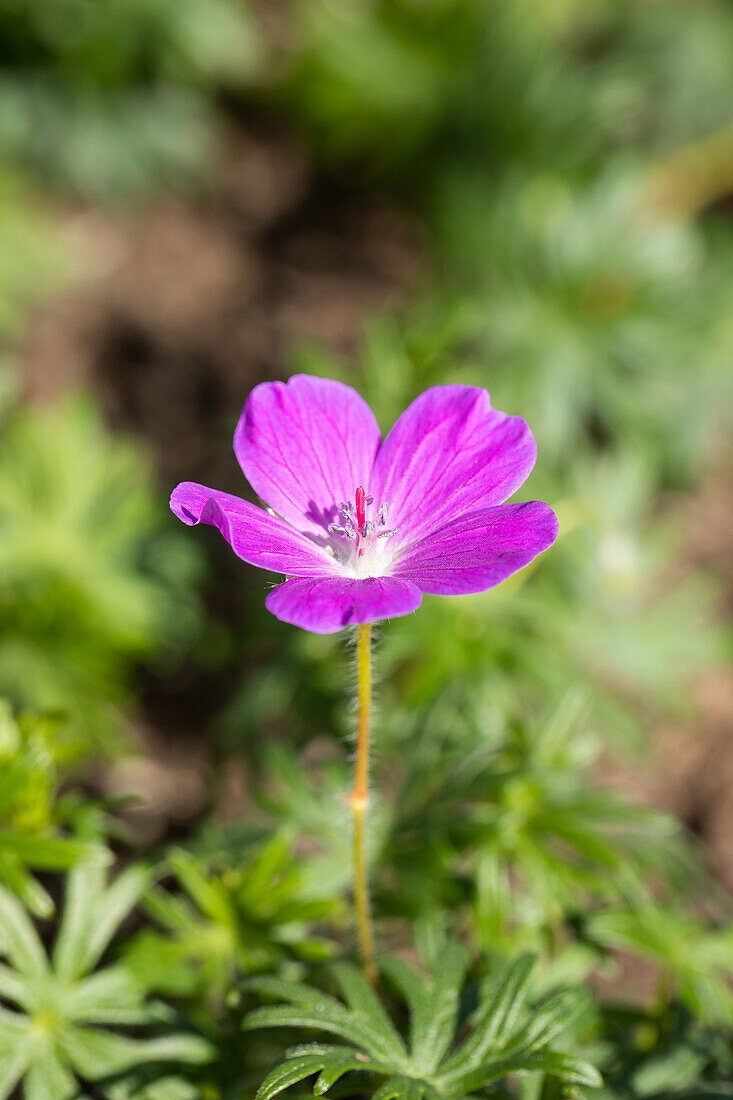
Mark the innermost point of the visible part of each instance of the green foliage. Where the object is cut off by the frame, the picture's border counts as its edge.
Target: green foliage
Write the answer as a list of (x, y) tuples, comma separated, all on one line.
[(442, 92), (516, 815), (472, 79), (314, 807), (30, 811), (108, 96), (30, 261), (592, 310), (667, 1053), (91, 580), (694, 956), (672, 70), (64, 1008), (231, 916), (494, 814), (558, 153), (32, 264), (500, 1040)]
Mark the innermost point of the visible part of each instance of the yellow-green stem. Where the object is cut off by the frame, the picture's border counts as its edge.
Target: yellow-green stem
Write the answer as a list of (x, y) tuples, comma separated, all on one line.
[(359, 801)]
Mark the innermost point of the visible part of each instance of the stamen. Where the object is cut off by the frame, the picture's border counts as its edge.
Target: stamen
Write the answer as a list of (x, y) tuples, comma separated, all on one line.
[(357, 528), (337, 529)]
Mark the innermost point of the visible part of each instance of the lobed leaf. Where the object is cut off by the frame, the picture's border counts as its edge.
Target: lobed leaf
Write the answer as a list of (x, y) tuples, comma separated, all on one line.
[(548, 1020), (563, 1066), (368, 1011), (329, 1062), (496, 1048), (92, 915), (500, 1006), (433, 1003)]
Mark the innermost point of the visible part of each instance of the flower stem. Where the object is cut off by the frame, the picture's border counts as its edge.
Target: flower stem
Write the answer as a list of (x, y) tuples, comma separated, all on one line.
[(359, 801)]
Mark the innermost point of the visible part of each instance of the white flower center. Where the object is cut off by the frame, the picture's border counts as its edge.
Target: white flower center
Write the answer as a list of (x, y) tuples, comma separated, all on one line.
[(360, 543)]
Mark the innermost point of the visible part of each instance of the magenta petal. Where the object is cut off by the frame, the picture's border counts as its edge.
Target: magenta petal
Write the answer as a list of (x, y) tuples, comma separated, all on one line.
[(253, 534), (325, 606), (479, 550), (450, 453), (305, 446)]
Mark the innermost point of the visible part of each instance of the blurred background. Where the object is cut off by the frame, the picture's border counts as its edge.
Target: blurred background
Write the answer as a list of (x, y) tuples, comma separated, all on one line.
[(535, 197)]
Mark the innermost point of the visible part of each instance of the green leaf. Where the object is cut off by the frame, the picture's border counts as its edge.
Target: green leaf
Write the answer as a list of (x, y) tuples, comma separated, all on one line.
[(53, 853), (433, 1002), (210, 899), (566, 1068), (335, 1021), (182, 1047), (60, 1030), (501, 1043), (109, 996), (13, 1064), (12, 986), (366, 1006), (93, 914), (83, 887), (501, 1002), (330, 1062), (400, 1088), (95, 1053), (19, 940), (549, 1020), (111, 909), (47, 1078)]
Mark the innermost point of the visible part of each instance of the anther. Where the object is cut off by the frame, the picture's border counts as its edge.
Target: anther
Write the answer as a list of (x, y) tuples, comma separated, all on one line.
[(337, 529), (386, 534), (383, 512), (367, 530)]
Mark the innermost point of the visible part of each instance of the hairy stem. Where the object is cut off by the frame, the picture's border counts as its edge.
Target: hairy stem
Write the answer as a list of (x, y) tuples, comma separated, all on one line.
[(359, 801)]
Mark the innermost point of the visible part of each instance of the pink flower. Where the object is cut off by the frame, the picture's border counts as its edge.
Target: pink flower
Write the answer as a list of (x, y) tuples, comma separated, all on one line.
[(362, 527)]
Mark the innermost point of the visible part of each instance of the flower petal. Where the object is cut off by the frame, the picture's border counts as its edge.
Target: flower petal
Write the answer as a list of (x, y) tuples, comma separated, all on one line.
[(253, 534), (450, 453), (305, 446), (324, 606), (479, 550)]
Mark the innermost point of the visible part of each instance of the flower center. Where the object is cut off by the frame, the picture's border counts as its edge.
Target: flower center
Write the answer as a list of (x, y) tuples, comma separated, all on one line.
[(361, 532)]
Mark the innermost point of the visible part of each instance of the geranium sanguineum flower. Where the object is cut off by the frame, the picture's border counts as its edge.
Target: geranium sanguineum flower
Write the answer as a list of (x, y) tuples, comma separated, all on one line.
[(363, 527)]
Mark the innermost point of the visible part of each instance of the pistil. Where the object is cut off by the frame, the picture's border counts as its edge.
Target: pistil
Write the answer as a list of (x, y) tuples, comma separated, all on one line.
[(360, 499)]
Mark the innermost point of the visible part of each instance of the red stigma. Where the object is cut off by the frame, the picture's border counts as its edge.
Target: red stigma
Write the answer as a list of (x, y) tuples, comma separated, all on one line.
[(360, 497)]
